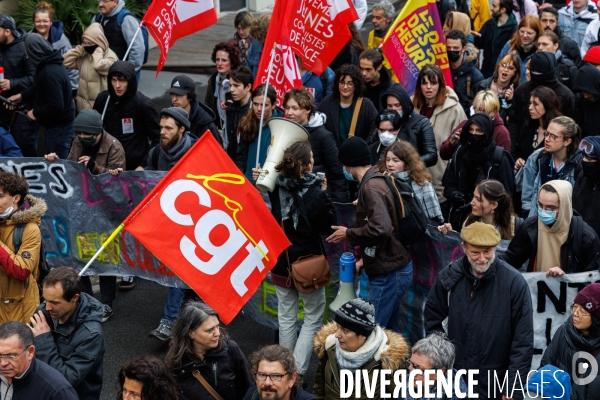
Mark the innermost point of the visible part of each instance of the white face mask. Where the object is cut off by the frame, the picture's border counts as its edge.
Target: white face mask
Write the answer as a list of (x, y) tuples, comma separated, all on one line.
[(386, 138), (7, 212)]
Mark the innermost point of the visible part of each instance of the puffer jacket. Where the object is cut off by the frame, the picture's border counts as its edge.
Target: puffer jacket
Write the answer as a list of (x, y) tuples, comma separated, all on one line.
[(325, 155), (330, 106), (134, 105), (18, 288), (110, 154), (392, 355), (587, 113), (76, 349), (376, 216), (93, 68), (443, 121), (415, 129), (574, 24), (17, 67), (225, 369), (490, 319)]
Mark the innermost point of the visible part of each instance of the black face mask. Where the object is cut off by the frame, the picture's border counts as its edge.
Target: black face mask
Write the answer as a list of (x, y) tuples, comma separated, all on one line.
[(591, 169), (453, 55), (90, 49), (477, 143)]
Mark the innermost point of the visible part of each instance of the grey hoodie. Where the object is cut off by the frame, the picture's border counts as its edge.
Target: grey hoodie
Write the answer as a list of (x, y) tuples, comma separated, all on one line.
[(37, 48)]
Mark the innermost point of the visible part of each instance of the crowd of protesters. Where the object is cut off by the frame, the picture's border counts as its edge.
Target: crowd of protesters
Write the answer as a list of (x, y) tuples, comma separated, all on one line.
[(526, 92)]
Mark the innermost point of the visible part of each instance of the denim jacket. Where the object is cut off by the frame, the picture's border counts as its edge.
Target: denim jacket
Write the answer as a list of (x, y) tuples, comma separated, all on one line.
[(574, 24), (253, 56)]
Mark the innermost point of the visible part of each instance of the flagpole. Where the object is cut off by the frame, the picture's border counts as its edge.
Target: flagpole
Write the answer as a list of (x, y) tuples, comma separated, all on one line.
[(262, 111), (104, 245)]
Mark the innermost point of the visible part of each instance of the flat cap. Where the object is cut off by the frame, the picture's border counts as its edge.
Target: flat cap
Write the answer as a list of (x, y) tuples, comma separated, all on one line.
[(480, 235)]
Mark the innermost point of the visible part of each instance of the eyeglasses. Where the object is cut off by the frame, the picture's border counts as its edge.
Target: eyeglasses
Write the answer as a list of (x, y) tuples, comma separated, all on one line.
[(348, 84), (261, 376), (577, 309), (508, 67), (12, 356), (552, 136)]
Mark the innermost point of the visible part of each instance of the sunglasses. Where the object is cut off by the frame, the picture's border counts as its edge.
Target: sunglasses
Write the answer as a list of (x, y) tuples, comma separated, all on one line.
[(392, 117)]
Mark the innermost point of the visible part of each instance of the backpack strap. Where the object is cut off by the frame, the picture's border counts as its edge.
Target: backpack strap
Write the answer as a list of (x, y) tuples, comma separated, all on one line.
[(496, 161), (355, 117), (121, 16), (18, 237)]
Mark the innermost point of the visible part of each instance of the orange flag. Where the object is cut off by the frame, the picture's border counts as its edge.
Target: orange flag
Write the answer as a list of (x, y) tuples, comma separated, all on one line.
[(210, 226)]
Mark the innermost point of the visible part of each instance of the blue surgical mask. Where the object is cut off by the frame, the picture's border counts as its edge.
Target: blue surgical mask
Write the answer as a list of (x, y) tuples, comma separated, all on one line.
[(546, 216), (348, 175)]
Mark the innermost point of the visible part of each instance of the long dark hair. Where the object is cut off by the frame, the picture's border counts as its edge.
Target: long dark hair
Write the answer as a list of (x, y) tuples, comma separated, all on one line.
[(248, 126), (356, 40), (551, 103), (494, 192), (296, 159), (434, 74)]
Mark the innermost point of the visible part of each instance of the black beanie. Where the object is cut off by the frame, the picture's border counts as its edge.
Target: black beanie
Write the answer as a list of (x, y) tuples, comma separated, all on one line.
[(355, 152), (88, 121), (542, 64), (357, 315), (178, 114)]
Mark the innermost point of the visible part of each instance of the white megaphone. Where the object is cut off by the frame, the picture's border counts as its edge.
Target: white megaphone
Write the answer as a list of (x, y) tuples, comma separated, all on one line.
[(346, 290), (283, 133)]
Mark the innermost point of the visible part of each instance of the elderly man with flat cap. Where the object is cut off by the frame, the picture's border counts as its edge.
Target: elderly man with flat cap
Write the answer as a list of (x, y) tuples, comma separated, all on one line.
[(489, 311)]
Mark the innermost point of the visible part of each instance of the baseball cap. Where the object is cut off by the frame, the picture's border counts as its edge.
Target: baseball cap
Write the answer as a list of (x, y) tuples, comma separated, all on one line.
[(7, 22), (181, 85)]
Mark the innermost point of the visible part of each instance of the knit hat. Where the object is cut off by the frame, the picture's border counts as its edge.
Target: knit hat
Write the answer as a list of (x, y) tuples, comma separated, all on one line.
[(7, 22), (357, 315), (542, 67), (590, 146), (480, 235), (354, 152), (593, 55), (178, 114), (589, 299), (88, 121), (181, 85)]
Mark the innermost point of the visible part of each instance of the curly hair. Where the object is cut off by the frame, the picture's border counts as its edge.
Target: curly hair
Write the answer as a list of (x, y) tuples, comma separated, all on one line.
[(354, 73), (493, 191), (412, 161), (296, 159), (260, 26), (304, 99), (275, 353), (14, 184), (157, 381), (235, 57), (44, 8)]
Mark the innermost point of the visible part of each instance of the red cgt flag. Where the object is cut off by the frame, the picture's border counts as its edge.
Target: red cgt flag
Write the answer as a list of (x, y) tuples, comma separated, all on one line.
[(169, 20), (210, 226)]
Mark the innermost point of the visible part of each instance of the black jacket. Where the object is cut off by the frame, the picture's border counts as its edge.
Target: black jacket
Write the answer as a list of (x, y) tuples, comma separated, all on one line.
[(330, 106), (463, 79), (202, 118), (52, 96), (211, 101), (587, 113), (566, 71), (17, 67), (135, 105), (586, 197), (524, 147), (235, 112), (524, 247), (568, 46), (297, 394), (492, 46), (374, 93), (42, 382), (416, 129), (490, 320), (226, 370), (566, 342)]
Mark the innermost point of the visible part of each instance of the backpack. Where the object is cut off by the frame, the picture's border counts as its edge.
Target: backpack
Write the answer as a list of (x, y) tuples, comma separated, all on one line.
[(412, 221), (120, 17), (43, 266)]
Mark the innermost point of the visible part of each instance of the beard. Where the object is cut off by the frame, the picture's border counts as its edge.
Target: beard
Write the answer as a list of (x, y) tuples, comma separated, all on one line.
[(481, 268), (171, 143), (497, 14), (269, 394)]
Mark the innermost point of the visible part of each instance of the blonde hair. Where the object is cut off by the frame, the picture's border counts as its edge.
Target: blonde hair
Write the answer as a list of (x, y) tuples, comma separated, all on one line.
[(489, 99)]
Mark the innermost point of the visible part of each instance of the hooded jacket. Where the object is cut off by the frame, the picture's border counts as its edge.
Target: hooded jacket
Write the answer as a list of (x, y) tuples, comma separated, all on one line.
[(463, 79), (580, 252), (444, 119), (76, 348), (330, 106), (574, 24), (490, 319), (374, 93), (109, 154), (493, 37), (325, 155), (132, 105), (17, 67), (52, 97), (415, 128), (93, 68), (392, 355), (586, 198), (18, 287), (566, 71), (42, 382), (587, 113), (202, 118)]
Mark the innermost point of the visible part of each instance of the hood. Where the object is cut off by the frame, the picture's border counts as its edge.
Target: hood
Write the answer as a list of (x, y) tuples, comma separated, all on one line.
[(512, 20), (466, 67), (565, 210), (484, 122), (587, 13), (393, 357), (461, 22), (401, 94), (588, 80), (384, 78), (543, 70), (128, 70), (550, 381), (119, 7), (316, 120), (95, 33), (201, 114), (37, 48), (56, 31), (498, 122), (89, 309), (472, 54), (451, 101), (32, 210)]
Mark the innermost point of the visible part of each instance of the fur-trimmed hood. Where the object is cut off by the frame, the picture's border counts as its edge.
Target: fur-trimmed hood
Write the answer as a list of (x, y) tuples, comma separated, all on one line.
[(31, 210), (393, 357)]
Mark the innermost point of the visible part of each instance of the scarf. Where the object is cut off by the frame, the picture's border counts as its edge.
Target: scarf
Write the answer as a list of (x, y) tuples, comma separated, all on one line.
[(220, 95), (168, 158), (356, 359), (291, 192), (577, 340), (551, 238)]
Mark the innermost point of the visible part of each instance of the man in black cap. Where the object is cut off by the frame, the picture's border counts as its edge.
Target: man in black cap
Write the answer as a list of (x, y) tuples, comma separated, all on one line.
[(201, 117), (19, 74), (386, 261), (543, 73)]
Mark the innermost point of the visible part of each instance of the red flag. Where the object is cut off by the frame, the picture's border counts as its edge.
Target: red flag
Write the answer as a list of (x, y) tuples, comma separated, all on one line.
[(210, 226), (169, 20)]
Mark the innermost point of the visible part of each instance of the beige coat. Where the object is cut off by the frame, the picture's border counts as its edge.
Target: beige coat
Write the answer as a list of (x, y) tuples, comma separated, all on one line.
[(93, 69), (443, 121)]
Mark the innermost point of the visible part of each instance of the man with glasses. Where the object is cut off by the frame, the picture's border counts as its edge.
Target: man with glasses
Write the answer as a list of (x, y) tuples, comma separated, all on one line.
[(549, 20), (555, 241), (22, 375), (274, 370), (489, 313)]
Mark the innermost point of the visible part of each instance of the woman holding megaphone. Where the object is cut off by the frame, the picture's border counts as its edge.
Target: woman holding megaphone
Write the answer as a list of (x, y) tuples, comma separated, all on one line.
[(305, 212)]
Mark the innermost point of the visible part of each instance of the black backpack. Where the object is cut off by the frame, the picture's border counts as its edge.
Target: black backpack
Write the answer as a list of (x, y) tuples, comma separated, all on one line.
[(43, 266), (412, 221)]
